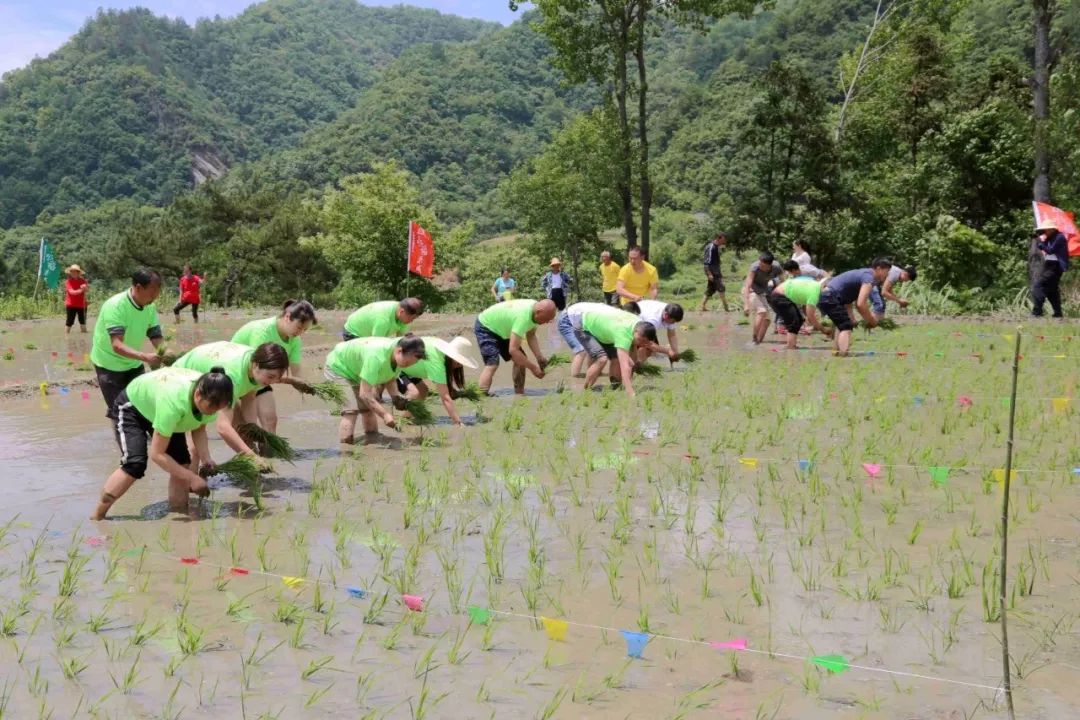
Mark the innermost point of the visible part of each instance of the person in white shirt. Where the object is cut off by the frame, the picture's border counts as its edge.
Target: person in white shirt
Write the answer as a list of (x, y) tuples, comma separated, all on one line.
[(800, 252), (662, 316)]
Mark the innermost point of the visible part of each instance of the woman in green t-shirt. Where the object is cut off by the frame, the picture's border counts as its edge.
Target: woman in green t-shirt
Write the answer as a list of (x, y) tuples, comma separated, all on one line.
[(250, 370), (151, 417), (445, 367), (285, 330)]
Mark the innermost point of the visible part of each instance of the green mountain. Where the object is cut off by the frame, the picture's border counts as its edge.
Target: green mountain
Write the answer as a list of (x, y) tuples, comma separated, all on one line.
[(141, 107)]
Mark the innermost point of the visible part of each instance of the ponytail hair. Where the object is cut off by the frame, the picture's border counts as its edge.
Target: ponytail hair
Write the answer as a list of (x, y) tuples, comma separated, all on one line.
[(455, 373), (215, 387), (271, 356), (300, 310)]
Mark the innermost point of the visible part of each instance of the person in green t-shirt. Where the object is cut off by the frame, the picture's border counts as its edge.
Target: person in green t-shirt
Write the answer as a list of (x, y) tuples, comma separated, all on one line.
[(151, 418), (126, 320), (609, 334), (363, 366), (285, 330), (388, 318), (445, 367), (794, 296), (500, 331), (250, 369)]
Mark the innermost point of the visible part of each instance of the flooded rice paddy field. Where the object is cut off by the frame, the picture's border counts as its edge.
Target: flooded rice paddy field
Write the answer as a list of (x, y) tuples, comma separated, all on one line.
[(782, 499)]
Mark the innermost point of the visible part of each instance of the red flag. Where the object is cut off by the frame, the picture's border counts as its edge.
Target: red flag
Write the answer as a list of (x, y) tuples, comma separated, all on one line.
[(1063, 221), (421, 251)]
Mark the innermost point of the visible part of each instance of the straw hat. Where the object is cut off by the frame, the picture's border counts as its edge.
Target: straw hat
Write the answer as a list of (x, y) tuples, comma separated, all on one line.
[(74, 268), (555, 261), (1047, 225), (456, 350)]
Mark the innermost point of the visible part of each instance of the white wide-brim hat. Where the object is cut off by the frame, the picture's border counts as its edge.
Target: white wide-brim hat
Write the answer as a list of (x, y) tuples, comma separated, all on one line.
[(1047, 225), (456, 350)]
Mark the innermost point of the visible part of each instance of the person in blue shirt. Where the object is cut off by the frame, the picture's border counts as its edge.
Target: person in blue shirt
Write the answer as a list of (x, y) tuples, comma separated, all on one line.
[(504, 286), (1055, 261), (852, 287)]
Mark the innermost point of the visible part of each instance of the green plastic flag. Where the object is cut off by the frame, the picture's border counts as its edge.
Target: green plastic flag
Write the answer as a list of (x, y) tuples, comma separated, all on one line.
[(939, 475), (479, 615), (48, 268), (832, 663)]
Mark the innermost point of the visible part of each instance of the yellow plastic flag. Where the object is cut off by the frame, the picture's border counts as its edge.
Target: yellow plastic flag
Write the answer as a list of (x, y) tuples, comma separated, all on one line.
[(555, 629), (999, 475), (293, 582), (1007, 338), (748, 462), (1061, 404)]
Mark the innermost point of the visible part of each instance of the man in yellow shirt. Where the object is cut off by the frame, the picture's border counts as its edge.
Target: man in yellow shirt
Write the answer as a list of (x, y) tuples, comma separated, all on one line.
[(609, 271), (637, 279)]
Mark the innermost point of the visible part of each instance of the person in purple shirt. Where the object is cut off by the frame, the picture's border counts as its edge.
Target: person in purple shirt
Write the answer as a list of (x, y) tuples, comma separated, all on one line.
[(1055, 261), (852, 287)]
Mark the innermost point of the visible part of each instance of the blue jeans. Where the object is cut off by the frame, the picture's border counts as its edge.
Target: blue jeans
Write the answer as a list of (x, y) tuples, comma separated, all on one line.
[(877, 302), (567, 332)]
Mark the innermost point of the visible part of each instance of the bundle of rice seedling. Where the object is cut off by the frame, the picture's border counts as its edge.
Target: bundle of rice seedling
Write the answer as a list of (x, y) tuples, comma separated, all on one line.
[(269, 444), (329, 392), (167, 358), (241, 469), (419, 413), (555, 360), (688, 356), (647, 369), (471, 391)]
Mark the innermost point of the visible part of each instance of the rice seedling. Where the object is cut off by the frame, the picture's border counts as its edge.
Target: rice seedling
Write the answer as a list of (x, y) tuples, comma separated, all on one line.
[(647, 370), (419, 413), (329, 392), (166, 358), (555, 360), (470, 392), (688, 356), (270, 445)]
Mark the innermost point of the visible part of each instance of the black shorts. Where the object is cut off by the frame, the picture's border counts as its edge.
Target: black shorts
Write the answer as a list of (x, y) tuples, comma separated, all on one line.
[(559, 298), (594, 347), (404, 381), (835, 311), (181, 305), (265, 390), (492, 347), (790, 314), (611, 298), (133, 432), (716, 285), (113, 382), (73, 313), (347, 336)]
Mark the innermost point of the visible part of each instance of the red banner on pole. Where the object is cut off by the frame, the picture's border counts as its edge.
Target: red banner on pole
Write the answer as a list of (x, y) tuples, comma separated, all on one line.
[(1064, 221), (421, 251)]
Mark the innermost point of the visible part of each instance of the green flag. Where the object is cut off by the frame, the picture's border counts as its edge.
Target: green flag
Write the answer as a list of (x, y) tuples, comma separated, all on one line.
[(832, 663), (479, 615), (48, 268)]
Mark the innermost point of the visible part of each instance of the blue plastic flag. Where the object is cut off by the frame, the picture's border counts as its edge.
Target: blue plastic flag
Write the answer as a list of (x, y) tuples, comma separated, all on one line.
[(804, 465), (356, 592), (918, 401), (635, 643)]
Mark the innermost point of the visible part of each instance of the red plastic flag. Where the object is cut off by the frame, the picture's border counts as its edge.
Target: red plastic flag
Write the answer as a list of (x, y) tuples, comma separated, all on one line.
[(421, 251), (1064, 221)]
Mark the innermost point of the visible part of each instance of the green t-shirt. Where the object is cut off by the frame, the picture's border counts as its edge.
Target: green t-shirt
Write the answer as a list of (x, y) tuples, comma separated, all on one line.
[(364, 359), (377, 319), (165, 397), (610, 326), (802, 291), (257, 332), (234, 357), (513, 317), (432, 368), (121, 316)]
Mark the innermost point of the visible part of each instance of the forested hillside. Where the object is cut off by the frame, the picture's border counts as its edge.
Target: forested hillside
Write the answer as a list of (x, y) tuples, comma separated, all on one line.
[(137, 106)]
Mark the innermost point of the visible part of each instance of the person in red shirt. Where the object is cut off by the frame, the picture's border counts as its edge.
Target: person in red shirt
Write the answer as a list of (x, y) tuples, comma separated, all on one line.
[(190, 284), (75, 288)]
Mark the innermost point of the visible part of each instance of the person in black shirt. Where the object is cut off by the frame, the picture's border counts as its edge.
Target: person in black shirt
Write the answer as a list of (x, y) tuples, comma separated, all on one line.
[(1054, 248), (714, 280)]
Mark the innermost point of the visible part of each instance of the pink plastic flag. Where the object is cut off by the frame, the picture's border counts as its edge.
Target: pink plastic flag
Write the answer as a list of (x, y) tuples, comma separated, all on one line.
[(413, 602), (964, 401), (85, 395), (736, 644), (239, 571), (96, 541), (189, 560), (872, 469)]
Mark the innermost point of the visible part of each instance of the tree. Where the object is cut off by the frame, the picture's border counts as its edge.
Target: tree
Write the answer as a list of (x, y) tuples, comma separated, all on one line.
[(1040, 86)]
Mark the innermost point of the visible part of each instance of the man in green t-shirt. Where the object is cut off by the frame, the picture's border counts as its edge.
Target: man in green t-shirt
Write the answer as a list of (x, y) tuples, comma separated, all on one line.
[(792, 297), (362, 367), (618, 336), (500, 331), (388, 318), (125, 321)]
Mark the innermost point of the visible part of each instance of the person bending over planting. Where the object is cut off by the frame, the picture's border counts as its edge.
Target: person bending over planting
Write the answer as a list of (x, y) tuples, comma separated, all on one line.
[(285, 330), (760, 277), (662, 316), (897, 276), (388, 318), (250, 369), (151, 417), (500, 331), (444, 365), (790, 298), (125, 321), (361, 367), (853, 286), (617, 337), (569, 323)]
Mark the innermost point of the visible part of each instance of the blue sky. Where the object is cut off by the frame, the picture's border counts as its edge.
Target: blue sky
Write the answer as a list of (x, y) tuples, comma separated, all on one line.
[(31, 29)]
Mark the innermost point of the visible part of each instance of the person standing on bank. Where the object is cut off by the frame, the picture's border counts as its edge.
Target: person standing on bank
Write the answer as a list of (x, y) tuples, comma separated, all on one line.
[(800, 252), (190, 287), (759, 280), (1054, 247), (125, 321), (609, 275), (714, 278), (75, 288), (638, 279), (504, 286), (556, 284)]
